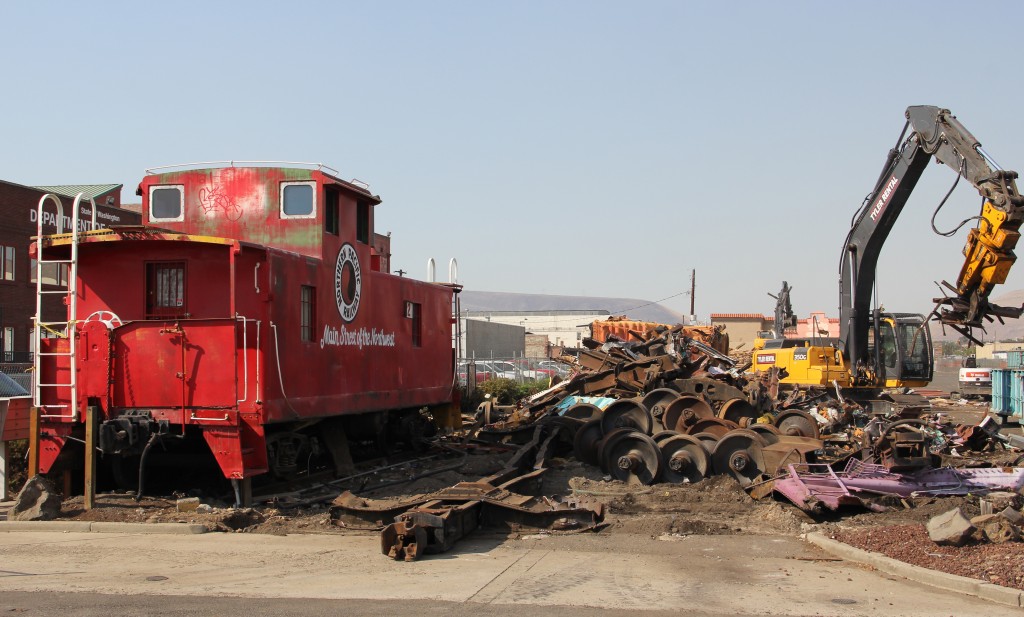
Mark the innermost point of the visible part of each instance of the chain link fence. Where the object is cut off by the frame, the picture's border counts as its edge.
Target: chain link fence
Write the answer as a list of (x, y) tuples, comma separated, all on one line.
[(20, 372), (473, 371)]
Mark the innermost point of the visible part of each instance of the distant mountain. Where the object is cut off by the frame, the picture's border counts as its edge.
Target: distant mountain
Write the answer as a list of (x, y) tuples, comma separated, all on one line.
[(640, 310)]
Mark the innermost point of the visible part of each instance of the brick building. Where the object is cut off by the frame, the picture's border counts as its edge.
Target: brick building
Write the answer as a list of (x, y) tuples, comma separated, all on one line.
[(18, 208), (819, 324), (742, 328)]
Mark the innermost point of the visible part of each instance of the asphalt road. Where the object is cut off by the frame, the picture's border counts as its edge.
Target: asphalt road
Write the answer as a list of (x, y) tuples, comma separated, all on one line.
[(97, 605), (54, 573)]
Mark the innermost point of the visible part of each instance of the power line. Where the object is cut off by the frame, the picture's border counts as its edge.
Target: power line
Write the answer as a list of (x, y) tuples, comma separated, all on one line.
[(681, 293)]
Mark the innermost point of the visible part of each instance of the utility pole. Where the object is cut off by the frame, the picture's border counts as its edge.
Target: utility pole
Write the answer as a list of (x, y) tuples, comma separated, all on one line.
[(693, 290)]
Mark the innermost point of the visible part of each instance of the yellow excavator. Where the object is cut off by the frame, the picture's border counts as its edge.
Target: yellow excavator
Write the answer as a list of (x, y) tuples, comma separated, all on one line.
[(879, 350)]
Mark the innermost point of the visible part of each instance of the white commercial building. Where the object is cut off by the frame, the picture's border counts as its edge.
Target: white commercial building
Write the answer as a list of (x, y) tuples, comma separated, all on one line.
[(565, 328)]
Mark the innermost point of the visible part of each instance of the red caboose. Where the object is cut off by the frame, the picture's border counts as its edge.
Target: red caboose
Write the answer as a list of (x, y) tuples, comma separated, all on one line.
[(255, 311)]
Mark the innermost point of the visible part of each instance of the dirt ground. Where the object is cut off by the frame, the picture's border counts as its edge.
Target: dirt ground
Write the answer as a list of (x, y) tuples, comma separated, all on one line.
[(1002, 564), (715, 506)]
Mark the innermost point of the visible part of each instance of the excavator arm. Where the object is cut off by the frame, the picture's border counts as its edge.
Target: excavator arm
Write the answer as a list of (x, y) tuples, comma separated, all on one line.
[(988, 252), (932, 132)]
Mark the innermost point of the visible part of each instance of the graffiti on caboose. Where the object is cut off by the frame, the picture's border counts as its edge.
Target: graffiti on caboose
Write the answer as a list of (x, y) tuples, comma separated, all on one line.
[(213, 199)]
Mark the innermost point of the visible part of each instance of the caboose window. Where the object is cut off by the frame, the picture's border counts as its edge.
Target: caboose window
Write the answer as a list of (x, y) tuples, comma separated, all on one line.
[(363, 222), (307, 306), (165, 289), (166, 203), (298, 200), (331, 212), (412, 310)]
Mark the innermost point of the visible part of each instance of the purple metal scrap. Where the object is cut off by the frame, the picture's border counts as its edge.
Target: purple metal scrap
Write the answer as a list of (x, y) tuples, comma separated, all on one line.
[(810, 486)]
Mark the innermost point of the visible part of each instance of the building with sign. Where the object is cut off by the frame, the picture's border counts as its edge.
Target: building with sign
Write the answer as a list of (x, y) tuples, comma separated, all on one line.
[(563, 328), (18, 224)]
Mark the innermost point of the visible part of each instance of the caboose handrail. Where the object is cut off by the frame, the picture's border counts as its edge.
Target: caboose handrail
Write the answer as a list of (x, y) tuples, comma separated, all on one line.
[(245, 355), (205, 164), (71, 301)]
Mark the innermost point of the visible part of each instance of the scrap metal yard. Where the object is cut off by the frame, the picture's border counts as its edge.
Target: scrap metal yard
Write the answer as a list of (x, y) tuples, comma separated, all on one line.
[(480, 309)]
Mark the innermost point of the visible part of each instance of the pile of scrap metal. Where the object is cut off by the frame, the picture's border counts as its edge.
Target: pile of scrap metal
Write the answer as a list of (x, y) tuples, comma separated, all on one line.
[(665, 407), (910, 455), (621, 328), (670, 408)]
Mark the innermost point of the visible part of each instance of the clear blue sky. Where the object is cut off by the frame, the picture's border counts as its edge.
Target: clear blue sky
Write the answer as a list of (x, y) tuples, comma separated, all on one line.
[(600, 148)]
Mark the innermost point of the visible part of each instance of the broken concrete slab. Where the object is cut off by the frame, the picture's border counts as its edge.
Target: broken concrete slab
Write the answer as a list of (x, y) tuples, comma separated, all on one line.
[(1014, 516), (1004, 499), (951, 528), (37, 501), (999, 530), (188, 504), (983, 519)]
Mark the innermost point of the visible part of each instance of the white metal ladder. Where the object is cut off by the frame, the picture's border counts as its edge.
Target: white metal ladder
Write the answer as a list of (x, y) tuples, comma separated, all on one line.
[(71, 295)]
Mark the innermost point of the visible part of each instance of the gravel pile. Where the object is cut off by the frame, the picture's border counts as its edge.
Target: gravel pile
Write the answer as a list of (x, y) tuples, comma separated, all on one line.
[(1002, 564)]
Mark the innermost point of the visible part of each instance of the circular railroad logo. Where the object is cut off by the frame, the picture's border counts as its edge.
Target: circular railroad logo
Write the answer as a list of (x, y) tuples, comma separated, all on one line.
[(348, 282)]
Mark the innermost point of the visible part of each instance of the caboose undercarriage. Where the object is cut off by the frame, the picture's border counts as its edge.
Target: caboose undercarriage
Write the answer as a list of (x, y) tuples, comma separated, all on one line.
[(137, 452)]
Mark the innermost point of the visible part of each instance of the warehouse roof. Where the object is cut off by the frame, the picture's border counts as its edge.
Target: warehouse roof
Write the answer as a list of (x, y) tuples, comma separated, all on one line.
[(90, 191), (740, 316)]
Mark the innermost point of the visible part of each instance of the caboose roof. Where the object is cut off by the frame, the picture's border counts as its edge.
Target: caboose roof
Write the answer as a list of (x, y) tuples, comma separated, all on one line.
[(137, 232), (353, 185)]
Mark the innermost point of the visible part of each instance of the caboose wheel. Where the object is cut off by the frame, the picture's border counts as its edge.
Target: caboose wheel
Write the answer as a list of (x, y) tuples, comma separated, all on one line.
[(583, 411), (684, 412), (632, 457), (797, 423), (710, 441), (663, 435), (657, 401), (585, 443), (716, 426), (286, 453), (684, 459), (769, 432), (739, 411), (627, 413), (739, 452)]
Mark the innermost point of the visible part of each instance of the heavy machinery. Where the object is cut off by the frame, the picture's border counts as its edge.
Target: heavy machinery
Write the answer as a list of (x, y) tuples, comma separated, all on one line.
[(877, 349), (974, 380)]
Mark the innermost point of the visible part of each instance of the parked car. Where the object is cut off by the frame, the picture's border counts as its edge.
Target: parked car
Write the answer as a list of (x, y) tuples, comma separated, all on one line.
[(553, 367), (483, 372), (502, 369)]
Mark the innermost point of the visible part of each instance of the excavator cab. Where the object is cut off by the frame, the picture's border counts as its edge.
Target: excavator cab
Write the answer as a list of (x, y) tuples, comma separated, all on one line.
[(904, 350)]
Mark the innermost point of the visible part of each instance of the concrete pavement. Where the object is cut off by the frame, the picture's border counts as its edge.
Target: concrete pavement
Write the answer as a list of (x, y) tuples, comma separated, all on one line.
[(714, 575)]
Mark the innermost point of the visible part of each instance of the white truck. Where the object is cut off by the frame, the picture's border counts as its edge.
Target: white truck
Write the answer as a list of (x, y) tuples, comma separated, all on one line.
[(975, 380)]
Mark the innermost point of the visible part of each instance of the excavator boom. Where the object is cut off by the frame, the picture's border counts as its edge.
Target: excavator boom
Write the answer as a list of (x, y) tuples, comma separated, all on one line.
[(889, 350), (932, 133), (988, 253)]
